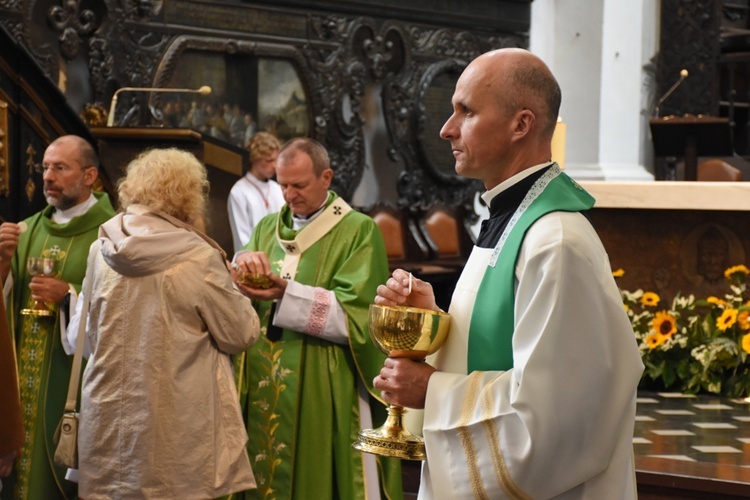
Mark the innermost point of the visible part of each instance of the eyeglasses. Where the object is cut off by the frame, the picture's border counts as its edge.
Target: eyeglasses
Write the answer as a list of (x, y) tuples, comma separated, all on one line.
[(57, 169)]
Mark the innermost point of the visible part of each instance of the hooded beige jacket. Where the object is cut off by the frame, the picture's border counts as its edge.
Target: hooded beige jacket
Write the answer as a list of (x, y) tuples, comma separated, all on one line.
[(160, 416)]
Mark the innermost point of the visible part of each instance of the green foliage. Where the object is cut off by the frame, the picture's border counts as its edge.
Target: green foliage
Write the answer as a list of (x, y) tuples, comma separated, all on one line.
[(695, 345)]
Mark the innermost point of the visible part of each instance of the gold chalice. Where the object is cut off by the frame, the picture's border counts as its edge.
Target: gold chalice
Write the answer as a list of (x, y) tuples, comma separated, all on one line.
[(40, 266), (402, 332)]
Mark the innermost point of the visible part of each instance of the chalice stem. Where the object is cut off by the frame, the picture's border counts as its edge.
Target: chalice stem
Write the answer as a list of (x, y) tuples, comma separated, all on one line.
[(392, 439), (401, 332), (394, 423)]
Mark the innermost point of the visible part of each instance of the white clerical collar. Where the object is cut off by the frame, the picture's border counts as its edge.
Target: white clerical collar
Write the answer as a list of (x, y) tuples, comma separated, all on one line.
[(487, 196), (65, 216), (300, 221)]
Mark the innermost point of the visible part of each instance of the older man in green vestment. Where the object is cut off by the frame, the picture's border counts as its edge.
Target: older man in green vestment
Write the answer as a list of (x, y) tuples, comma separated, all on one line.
[(62, 232), (307, 383)]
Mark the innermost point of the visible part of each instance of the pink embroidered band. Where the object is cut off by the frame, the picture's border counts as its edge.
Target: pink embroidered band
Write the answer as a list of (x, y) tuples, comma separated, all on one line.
[(319, 312)]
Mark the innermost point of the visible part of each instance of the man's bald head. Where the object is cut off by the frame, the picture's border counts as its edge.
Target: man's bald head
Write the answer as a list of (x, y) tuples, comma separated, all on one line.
[(520, 80), (84, 152)]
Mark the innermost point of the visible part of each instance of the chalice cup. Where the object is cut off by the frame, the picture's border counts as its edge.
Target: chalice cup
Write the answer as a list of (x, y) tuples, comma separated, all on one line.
[(38, 266), (402, 332)]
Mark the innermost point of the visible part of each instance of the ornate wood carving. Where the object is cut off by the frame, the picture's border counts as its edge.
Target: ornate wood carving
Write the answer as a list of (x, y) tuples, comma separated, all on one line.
[(37, 113), (71, 23), (339, 50), (437, 57), (30, 184), (4, 158), (11, 17), (689, 40)]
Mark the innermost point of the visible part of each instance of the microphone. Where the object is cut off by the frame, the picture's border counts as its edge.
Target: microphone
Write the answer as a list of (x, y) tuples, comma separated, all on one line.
[(683, 75), (204, 90)]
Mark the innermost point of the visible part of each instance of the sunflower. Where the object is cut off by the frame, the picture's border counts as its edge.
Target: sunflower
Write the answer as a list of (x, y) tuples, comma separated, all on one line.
[(743, 319), (727, 319), (665, 324), (746, 343), (650, 299), (730, 272), (619, 273), (654, 340), (716, 301)]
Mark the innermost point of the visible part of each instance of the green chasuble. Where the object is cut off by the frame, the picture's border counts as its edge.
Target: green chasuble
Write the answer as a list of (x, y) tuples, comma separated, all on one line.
[(493, 319), (43, 366), (300, 392)]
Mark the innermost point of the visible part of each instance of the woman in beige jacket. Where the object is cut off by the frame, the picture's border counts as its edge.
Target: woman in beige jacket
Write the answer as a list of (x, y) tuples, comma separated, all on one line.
[(159, 410)]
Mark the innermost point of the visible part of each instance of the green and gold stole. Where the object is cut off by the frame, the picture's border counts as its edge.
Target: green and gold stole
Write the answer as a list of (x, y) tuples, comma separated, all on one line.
[(492, 319)]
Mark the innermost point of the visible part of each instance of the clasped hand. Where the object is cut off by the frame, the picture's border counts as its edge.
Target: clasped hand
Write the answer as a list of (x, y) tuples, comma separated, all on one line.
[(9, 233), (257, 263)]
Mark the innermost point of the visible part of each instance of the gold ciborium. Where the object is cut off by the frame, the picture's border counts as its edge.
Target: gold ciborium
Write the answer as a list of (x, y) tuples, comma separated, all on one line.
[(40, 266), (402, 332)]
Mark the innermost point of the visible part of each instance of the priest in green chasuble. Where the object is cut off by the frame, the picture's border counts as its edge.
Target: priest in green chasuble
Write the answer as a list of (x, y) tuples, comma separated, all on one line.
[(62, 232), (307, 384)]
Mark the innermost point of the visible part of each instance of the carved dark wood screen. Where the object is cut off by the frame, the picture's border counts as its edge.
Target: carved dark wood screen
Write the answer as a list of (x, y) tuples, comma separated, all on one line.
[(33, 113), (689, 40), (408, 53)]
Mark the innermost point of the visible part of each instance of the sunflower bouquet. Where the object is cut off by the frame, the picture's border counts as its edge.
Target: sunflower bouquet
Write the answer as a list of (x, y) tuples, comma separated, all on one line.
[(694, 345)]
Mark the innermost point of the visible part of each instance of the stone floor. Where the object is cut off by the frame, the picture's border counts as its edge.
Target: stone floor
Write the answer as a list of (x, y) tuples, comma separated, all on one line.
[(693, 428), (686, 446)]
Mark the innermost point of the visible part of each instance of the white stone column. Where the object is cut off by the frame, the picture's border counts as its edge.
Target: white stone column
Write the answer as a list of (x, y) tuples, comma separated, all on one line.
[(597, 50)]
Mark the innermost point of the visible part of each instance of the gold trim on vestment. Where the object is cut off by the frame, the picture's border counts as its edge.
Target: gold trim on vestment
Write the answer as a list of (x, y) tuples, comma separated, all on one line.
[(36, 334), (475, 477), (493, 440), (309, 235)]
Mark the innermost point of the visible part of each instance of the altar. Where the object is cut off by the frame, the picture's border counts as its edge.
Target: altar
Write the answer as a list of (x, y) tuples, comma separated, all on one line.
[(674, 236), (679, 238)]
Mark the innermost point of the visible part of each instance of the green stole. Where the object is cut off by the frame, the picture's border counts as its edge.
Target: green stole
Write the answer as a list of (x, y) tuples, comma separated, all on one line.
[(300, 392), (43, 366), (493, 319)]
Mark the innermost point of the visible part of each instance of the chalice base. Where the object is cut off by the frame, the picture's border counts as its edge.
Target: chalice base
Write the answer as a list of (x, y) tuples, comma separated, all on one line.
[(37, 312), (392, 439)]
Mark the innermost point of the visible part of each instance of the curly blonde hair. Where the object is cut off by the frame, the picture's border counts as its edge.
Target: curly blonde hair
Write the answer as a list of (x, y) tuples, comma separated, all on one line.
[(262, 146), (169, 180)]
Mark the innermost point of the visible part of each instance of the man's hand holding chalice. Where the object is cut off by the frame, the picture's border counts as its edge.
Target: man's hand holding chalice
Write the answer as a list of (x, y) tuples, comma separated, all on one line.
[(403, 381), (405, 324)]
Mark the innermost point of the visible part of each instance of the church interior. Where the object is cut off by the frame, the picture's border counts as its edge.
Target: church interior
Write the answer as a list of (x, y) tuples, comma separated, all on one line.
[(655, 124)]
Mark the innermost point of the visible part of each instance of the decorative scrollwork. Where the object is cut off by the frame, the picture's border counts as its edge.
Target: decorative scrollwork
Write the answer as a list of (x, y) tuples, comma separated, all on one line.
[(329, 27), (30, 163), (144, 9), (101, 65), (15, 28), (690, 40), (343, 61), (72, 24), (4, 150), (384, 53), (734, 13), (416, 106), (11, 4)]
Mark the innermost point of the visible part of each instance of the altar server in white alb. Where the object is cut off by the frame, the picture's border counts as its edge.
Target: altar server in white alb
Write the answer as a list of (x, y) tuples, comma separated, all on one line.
[(533, 394), (256, 194)]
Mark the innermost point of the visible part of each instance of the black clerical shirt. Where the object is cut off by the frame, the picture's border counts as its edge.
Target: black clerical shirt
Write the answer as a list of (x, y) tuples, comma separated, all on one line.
[(502, 207)]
